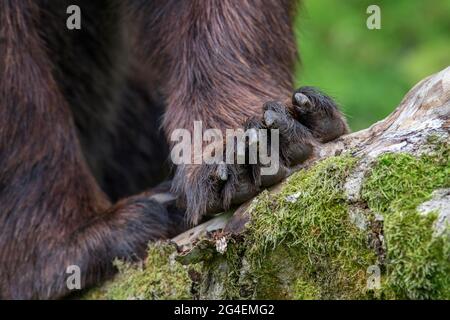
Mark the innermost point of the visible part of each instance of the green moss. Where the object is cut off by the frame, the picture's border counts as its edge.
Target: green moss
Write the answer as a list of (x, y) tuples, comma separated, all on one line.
[(305, 220), (402, 181), (303, 244), (160, 277), (308, 247), (418, 263)]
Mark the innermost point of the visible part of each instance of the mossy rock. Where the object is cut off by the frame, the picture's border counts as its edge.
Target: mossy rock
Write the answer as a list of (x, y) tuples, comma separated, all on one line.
[(310, 241), (159, 277)]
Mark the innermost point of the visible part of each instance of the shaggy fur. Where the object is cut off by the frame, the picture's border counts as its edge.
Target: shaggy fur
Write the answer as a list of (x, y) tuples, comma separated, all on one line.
[(80, 119)]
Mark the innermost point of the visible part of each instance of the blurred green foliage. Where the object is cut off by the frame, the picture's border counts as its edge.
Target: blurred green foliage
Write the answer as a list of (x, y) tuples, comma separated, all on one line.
[(369, 71)]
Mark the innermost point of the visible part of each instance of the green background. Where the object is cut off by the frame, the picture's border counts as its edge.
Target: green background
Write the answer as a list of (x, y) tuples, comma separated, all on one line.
[(369, 71)]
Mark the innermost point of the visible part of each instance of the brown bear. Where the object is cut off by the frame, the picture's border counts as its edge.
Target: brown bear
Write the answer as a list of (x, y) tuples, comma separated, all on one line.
[(86, 116)]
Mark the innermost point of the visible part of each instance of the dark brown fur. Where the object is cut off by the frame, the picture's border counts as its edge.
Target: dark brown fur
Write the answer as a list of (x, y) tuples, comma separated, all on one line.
[(221, 60), (80, 115)]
